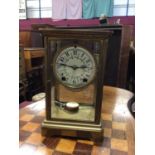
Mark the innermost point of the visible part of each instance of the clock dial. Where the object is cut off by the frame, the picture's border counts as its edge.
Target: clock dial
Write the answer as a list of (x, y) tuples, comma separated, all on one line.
[(74, 67)]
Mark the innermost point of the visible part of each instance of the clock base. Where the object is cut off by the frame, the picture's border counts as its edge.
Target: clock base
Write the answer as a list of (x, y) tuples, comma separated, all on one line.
[(85, 131)]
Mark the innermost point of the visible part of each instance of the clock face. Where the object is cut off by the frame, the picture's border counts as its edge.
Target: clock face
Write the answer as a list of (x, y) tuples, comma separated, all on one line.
[(74, 67)]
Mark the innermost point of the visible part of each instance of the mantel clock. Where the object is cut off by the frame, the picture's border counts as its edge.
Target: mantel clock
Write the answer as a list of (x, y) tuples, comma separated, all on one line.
[(75, 62)]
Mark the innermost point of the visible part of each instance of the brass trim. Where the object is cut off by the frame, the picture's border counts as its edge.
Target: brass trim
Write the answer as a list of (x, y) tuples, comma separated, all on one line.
[(91, 124), (76, 127)]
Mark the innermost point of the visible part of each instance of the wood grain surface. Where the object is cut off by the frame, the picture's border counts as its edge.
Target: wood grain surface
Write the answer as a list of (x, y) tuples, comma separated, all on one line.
[(119, 130)]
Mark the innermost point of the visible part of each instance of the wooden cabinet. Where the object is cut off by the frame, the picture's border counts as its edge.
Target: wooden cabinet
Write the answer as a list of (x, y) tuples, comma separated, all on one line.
[(25, 38), (118, 55), (31, 39)]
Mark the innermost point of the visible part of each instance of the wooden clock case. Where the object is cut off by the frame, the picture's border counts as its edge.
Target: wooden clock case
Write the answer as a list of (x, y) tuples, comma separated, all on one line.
[(53, 40)]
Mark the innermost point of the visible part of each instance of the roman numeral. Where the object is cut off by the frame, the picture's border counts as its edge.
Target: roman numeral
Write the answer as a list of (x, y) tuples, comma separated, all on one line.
[(87, 75), (75, 52), (88, 60), (82, 55), (61, 59), (74, 82), (67, 54)]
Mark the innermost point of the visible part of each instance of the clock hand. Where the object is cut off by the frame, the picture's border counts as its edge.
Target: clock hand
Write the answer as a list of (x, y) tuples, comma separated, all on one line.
[(65, 65), (83, 67), (74, 67)]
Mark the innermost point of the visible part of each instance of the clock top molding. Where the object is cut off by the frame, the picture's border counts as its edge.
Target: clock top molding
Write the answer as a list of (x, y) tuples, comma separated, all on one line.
[(78, 33)]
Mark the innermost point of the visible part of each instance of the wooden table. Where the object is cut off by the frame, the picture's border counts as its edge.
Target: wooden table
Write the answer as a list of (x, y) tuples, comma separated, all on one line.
[(119, 130)]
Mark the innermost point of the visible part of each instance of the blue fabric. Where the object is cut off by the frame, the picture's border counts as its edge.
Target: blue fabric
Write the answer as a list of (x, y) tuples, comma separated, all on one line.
[(88, 9), (103, 7)]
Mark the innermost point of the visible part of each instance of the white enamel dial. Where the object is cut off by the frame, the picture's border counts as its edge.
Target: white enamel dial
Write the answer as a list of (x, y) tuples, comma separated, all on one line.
[(74, 67)]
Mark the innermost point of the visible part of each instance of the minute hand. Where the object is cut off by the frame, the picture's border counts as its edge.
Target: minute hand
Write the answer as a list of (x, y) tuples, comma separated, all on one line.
[(74, 67), (65, 65), (85, 67), (82, 67)]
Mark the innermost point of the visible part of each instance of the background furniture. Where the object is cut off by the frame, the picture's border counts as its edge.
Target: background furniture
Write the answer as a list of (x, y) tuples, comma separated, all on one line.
[(34, 64), (22, 75), (117, 53), (34, 58), (119, 129), (25, 38), (31, 72), (131, 69)]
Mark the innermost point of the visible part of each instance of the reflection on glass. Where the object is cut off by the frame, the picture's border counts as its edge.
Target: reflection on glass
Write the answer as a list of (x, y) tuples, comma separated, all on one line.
[(84, 99)]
